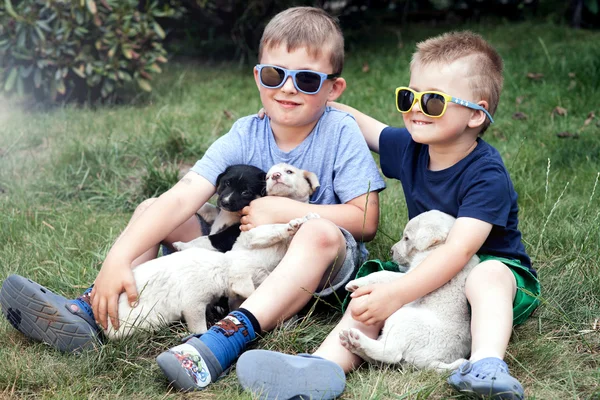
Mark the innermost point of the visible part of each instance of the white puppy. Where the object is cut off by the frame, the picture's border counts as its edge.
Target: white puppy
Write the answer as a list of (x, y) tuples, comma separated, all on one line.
[(432, 331), (182, 284)]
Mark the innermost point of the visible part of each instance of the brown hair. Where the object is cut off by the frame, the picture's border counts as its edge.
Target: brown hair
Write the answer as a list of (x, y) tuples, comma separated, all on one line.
[(485, 70), (308, 27)]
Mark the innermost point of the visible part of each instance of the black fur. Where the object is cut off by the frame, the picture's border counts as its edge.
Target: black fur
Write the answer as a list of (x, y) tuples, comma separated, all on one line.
[(237, 186)]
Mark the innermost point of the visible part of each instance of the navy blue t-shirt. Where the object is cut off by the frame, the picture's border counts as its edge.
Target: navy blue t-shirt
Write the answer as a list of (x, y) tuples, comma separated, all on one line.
[(478, 186)]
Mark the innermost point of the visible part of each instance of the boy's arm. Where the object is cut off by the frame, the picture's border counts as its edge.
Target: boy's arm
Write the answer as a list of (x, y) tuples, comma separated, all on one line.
[(465, 239), (359, 216), (369, 126), (169, 211)]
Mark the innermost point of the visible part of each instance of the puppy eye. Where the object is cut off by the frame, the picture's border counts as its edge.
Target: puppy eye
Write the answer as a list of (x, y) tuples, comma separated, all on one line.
[(405, 238), (226, 183), (289, 171), (246, 193)]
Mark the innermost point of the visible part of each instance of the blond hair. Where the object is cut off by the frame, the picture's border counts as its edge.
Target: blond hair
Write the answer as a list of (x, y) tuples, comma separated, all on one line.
[(485, 64), (308, 27)]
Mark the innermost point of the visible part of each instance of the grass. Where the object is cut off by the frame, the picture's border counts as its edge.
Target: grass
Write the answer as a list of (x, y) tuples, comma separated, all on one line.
[(70, 178)]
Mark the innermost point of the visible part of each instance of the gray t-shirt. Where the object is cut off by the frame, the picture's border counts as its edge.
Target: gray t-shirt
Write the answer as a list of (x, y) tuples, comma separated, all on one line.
[(335, 151)]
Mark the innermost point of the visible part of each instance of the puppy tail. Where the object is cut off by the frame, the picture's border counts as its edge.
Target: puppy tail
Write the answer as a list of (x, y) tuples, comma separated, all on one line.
[(441, 367)]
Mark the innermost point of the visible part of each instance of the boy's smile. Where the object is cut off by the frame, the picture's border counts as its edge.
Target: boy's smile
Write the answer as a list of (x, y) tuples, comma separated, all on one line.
[(294, 114)]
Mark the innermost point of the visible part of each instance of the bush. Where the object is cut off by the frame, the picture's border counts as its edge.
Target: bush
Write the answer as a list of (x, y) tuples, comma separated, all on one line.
[(79, 49)]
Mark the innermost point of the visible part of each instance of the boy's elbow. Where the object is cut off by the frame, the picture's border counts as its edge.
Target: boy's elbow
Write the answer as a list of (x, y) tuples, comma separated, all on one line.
[(369, 231)]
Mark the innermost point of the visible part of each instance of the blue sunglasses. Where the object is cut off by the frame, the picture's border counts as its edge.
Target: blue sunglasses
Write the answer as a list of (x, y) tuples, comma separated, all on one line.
[(305, 81)]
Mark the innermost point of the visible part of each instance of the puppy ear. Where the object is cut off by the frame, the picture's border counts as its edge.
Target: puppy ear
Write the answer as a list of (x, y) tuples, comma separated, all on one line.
[(221, 175), (242, 288), (428, 236), (312, 180)]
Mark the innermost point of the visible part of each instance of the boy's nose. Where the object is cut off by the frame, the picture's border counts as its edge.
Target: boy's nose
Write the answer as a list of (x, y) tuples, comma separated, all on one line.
[(416, 107), (288, 86)]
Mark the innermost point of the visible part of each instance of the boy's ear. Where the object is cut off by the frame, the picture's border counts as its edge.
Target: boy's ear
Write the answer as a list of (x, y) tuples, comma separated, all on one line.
[(256, 78), (478, 117), (338, 87)]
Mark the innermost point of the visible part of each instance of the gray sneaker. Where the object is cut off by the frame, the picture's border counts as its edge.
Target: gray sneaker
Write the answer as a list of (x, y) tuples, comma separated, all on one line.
[(67, 325)]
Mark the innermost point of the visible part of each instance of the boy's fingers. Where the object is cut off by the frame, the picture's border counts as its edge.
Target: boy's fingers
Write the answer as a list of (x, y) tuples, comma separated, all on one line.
[(102, 313), (113, 312), (261, 113), (132, 295), (361, 291)]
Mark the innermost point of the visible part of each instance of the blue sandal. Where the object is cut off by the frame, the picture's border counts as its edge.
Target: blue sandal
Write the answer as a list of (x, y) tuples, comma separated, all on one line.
[(271, 375), (487, 378), (39, 314)]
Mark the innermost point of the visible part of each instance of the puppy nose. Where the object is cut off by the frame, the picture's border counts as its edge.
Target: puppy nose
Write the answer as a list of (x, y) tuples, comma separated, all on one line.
[(276, 176)]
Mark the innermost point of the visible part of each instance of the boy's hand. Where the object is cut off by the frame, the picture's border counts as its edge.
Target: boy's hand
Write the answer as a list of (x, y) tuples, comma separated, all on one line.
[(261, 113), (265, 210), (110, 283), (375, 303)]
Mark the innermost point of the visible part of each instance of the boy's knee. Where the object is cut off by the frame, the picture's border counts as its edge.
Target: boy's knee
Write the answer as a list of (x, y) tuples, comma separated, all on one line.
[(322, 234), (491, 273)]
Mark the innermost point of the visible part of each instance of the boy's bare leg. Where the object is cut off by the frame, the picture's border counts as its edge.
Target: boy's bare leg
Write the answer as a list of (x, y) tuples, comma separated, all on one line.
[(332, 349), (490, 289), (317, 247)]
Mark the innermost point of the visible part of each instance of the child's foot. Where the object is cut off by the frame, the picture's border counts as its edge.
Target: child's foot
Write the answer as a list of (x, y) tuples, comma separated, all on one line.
[(190, 366), (66, 325), (488, 377), (202, 359), (271, 375)]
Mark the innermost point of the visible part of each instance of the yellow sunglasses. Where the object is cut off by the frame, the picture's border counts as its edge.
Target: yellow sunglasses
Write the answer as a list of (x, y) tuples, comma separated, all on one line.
[(432, 103)]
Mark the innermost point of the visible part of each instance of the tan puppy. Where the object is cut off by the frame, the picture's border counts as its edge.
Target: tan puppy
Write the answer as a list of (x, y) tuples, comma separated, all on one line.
[(433, 331)]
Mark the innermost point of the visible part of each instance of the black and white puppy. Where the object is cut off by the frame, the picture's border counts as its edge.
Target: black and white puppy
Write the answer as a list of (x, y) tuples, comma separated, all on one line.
[(282, 180), (237, 186)]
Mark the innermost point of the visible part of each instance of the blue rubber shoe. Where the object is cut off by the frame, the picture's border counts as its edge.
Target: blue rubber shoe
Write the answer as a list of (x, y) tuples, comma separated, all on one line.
[(67, 325), (190, 366), (271, 375), (487, 378)]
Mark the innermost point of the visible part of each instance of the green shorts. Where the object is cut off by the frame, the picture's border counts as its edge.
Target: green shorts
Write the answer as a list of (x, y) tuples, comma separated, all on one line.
[(528, 288)]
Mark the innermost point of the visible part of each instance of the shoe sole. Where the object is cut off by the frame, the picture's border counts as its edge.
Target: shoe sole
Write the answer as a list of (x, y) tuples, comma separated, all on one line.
[(270, 375), (42, 316), (496, 392)]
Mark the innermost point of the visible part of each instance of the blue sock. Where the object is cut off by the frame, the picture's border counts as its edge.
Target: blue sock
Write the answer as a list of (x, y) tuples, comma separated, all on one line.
[(82, 306), (228, 338)]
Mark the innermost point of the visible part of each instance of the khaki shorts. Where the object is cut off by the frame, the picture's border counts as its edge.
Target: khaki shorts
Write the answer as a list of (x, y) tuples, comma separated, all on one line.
[(528, 288)]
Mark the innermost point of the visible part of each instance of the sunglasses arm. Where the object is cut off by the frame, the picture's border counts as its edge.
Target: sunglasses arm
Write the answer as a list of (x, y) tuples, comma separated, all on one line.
[(474, 106)]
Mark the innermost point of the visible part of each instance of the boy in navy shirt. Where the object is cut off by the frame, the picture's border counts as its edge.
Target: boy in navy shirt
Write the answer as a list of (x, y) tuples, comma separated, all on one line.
[(443, 164)]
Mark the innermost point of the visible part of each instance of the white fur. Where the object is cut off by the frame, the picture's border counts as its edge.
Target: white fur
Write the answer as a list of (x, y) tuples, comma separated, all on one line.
[(182, 284), (432, 331)]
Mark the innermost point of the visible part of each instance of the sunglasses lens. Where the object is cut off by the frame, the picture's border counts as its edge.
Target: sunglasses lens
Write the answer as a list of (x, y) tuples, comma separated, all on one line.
[(432, 104), (271, 76), (405, 100), (308, 81)]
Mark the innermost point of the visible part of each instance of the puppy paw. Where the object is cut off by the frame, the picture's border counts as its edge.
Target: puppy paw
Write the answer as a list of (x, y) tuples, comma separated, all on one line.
[(179, 246), (294, 225), (356, 283), (311, 216), (350, 339)]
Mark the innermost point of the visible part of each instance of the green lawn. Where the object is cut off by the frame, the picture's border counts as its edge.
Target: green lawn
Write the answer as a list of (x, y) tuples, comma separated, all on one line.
[(70, 178)]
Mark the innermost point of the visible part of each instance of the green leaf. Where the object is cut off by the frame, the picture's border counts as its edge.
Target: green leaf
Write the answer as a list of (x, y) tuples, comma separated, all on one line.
[(592, 5), (60, 86), (80, 71), (20, 86), (10, 10), (159, 31), (91, 5), (144, 85), (37, 78), (10, 81)]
